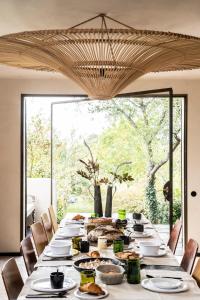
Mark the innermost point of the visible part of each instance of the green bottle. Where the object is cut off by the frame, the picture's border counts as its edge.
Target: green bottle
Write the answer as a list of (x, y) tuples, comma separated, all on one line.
[(133, 271)]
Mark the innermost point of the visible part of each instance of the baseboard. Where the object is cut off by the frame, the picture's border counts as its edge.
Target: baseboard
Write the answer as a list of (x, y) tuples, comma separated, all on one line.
[(10, 253)]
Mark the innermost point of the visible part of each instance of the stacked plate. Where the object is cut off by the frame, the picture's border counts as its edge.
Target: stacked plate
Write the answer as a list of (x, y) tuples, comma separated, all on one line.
[(164, 285)]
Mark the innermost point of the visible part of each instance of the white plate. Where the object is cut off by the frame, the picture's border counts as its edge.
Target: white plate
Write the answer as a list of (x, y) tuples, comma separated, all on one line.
[(147, 284), (161, 252), (44, 285), (87, 296), (141, 235), (166, 283)]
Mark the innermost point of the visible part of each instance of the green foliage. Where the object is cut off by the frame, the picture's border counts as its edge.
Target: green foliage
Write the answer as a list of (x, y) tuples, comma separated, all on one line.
[(136, 130), (151, 200), (38, 148)]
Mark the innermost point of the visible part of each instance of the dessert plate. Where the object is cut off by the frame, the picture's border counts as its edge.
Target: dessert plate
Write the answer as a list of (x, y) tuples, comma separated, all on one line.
[(44, 285), (166, 283), (87, 296), (149, 285)]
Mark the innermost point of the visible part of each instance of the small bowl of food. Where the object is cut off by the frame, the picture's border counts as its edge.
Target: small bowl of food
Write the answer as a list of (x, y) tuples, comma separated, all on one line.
[(110, 274), (92, 263)]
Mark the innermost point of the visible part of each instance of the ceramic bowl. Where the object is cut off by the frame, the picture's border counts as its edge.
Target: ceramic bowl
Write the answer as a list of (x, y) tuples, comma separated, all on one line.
[(60, 247), (71, 230), (110, 274), (149, 248)]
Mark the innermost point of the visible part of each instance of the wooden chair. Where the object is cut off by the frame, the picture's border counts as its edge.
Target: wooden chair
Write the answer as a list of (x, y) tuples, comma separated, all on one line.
[(12, 279), (28, 254), (189, 256), (174, 236), (53, 218), (39, 237), (47, 226), (196, 273)]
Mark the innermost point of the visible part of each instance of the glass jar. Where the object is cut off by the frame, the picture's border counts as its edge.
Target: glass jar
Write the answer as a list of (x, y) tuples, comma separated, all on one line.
[(122, 214), (87, 276), (76, 243), (118, 245), (133, 271), (102, 243)]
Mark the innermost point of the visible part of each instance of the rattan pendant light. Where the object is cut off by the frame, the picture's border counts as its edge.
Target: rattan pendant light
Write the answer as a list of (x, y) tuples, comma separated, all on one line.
[(102, 60)]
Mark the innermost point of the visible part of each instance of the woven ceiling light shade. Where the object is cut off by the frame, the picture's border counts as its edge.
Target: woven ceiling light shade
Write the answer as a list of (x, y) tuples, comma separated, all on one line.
[(103, 61)]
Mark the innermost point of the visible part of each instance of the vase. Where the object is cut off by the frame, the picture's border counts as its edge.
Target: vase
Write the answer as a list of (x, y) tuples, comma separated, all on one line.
[(97, 201), (109, 196)]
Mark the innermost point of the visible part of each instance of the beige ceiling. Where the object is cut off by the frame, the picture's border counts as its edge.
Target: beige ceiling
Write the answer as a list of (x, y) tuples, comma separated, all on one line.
[(180, 16)]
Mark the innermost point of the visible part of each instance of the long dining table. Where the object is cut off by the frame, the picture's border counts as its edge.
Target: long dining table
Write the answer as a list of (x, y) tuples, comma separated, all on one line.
[(164, 266)]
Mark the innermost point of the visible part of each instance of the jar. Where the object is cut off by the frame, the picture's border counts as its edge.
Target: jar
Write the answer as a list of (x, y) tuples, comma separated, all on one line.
[(76, 243), (118, 245), (102, 243), (122, 214), (87, 276), (133, 271)]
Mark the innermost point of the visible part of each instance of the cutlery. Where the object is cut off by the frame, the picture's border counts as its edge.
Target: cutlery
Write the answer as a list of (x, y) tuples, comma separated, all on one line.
[(49, 295), (150, 276), (161, 267), (57, 258)]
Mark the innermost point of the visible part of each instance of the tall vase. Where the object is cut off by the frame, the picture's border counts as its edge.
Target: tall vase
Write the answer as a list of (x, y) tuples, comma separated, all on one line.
[(109, 196), (97, 201)]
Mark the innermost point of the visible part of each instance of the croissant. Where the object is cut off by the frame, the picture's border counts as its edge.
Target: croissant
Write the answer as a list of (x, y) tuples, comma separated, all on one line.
[(91, 288), (94, 254)]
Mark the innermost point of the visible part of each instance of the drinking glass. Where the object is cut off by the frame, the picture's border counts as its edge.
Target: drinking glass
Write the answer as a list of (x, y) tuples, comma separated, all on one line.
[(87, 276)]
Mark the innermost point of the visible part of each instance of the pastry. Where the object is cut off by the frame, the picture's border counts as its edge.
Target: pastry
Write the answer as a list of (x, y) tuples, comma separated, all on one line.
[(94, 254), (91, 288), (78, 217), (127, 255)]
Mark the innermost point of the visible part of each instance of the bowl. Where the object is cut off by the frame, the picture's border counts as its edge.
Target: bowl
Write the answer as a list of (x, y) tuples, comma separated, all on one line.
[(60, 247), (92, 259), (71, 230), (110, 274), (149, 248)]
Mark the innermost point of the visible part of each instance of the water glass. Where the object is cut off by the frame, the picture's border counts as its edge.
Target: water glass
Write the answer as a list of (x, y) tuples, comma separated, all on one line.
[(87, 276), (122, 214), (118, 245)]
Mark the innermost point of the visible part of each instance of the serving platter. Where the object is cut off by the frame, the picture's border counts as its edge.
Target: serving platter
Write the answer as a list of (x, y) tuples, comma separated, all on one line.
[(91, 259)]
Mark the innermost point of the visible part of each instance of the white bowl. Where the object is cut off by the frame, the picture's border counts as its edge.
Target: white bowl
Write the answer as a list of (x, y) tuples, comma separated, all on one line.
[(60, 247), (71, 230), (149, 248)]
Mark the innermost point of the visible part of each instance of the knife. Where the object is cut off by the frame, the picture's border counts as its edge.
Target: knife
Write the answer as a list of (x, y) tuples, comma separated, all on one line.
[(150, 276), (30, 296), (161, 267)]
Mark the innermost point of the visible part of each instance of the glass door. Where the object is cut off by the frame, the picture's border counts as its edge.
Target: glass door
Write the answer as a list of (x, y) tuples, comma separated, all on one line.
[(133, 134)]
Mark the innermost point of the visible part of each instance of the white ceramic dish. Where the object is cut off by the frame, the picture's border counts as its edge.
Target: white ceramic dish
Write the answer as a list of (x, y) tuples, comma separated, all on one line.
[(161, 252), (141, 234), (71, 229), (166, 283), (87, 296), (149, 248), (60, 247), (44, 285), (147, 284), (49, 253)]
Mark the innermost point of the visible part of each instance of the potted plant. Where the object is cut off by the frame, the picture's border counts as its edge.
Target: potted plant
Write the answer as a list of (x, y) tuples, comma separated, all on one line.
[(91, 173), (116, 177)]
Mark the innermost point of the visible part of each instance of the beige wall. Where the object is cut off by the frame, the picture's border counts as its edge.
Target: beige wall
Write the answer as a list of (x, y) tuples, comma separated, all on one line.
[(10, 97)]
